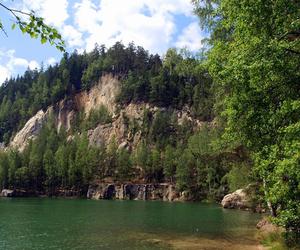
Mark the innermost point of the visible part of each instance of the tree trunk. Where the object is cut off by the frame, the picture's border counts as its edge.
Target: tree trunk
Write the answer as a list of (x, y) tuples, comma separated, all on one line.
[(271, 206)]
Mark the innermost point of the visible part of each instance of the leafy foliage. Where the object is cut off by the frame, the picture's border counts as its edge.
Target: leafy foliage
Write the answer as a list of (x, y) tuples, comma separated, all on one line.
[(254, 62), (50, 162), (34, 25), (238, 177), (96, 116)]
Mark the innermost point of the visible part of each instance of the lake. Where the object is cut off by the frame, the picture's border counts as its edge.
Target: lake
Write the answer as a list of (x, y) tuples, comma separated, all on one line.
[(45, 223)]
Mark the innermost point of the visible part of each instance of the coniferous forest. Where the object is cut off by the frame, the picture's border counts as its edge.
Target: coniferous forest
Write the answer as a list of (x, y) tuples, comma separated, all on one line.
[(176, 81), (244, 88)]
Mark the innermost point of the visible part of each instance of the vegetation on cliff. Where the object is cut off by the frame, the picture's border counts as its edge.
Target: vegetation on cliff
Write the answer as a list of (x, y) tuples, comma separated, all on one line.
[(175, 81)]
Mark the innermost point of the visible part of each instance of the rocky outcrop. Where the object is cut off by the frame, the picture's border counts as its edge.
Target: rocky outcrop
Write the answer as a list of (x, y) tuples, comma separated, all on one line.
[(104, 93), (238, 199), (7, 193), (29, 131), (63, 112), (266, 228), (126, 124), (121, 129), (129, 191)]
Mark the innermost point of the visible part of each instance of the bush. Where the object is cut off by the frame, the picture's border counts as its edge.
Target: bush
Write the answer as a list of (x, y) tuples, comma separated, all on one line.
[(97, 116), (238, 176)]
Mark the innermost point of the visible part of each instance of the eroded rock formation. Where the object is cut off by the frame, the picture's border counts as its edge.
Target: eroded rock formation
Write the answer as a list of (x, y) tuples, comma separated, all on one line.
[(104, 93), (29, 131), (129, 191), (63, 112)]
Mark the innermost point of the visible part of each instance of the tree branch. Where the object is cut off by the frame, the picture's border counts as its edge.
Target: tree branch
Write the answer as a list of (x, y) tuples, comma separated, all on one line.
[(293, 51), (34, 26), (3, 30), (13, 11), (291, 35)]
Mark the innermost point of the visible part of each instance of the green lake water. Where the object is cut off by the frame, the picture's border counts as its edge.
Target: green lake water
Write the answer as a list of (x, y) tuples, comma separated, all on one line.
[(44, 223)]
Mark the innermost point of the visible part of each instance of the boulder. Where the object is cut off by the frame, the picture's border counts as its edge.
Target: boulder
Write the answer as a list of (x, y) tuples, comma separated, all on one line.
[(171, 193), (238, 199), (123, 145), (7, 193), (17, 193), (266, 228)]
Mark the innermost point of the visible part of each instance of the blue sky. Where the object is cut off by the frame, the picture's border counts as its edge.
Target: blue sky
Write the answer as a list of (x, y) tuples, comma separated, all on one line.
[(154, 24)]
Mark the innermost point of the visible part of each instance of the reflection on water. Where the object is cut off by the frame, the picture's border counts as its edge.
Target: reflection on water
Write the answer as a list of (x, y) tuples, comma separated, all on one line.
[(85, 224)]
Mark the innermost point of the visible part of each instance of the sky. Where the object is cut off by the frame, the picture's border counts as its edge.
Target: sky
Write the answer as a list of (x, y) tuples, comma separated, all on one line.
[(154, 24)]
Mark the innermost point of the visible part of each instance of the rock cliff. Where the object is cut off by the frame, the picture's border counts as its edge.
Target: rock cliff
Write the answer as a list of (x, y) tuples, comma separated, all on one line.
[(64, 112), (124, 119), (29, 131)]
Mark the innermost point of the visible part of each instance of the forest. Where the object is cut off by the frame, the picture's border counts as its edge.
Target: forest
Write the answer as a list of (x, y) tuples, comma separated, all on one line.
[(180, 81), (247, 82), (168, 151)]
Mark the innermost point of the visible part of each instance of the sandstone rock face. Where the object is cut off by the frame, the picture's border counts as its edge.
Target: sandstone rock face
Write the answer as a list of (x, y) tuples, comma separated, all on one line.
[(238, 199), (29, 131), (129, 191), (104, 93), (122, 127), (126, 123), (63, 112)]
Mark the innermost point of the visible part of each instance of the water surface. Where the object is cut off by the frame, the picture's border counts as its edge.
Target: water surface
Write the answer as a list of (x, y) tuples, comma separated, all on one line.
[(85, 224)]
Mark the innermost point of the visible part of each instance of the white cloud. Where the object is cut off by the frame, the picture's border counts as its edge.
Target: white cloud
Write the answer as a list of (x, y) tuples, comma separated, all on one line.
[(86, 18), (190, 38), (51, 61), (72, 36), (10, 64), (16, 61), (172, 6), (54, 11), (147, 23), (151, 24), (4, 74), (33, 64)]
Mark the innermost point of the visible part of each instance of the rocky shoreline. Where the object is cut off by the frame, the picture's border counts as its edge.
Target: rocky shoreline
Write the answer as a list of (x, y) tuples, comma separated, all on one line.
[(110, 191), (21, 193), (129, 191), (240, 199)]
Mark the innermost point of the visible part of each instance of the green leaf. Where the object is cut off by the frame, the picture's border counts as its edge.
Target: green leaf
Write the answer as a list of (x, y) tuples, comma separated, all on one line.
[(13, 26), (43, 40), (23, 29)]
